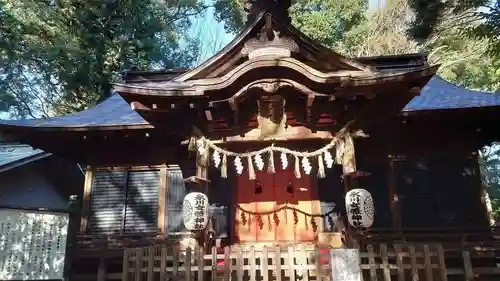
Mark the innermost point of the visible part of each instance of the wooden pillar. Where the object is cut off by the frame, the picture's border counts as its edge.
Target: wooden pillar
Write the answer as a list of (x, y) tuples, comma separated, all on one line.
[(162, 201), (350, 233), (485, 200), (73, 229), (393, 196), (87, 193), (201, 184)]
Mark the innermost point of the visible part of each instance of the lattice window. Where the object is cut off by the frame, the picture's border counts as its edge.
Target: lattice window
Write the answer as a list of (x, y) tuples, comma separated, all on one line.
[(32, 244), (125, 201), (177, 190)]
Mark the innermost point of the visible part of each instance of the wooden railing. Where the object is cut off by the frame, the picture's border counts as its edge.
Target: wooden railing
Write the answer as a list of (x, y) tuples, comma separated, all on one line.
[(466, 253), (401, 262), (116, 241), (461, 235), (374, 236)]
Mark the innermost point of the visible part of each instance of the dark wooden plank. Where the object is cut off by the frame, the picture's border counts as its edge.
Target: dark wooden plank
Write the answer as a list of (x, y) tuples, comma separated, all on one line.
[(442, 265), (125, 265), (399, 262), (163, 264), (318, 265), (187, 265), (414, 268), (138, 264), (214, 263), (486, 271), (227, 263), (200, 263), (385, 262), (371, 261), (151, 258), (468, 272), (428, 263), (101, 270)]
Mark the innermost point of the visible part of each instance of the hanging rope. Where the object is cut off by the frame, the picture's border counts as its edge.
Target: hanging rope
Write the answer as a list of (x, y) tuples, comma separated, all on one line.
[(270, 149), (284, 207)]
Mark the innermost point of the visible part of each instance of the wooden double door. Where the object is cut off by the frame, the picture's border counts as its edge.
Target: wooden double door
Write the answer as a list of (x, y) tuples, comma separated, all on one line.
[(275, 208)]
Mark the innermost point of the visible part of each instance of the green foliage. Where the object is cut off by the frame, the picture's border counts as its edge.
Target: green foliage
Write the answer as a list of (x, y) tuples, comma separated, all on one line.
[(464, 60), (60, 56), (489, 162), (333, 23), (429, 13), (336, 24), (479, 18), (490, 27), (384, 32), (232, 13)]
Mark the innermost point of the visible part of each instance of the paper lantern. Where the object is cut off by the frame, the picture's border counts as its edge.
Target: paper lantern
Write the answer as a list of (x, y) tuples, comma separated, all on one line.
[(359, 208), (195, 211)]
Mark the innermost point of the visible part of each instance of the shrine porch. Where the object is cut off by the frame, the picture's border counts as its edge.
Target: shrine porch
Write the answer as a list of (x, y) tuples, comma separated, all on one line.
[(432, 255)]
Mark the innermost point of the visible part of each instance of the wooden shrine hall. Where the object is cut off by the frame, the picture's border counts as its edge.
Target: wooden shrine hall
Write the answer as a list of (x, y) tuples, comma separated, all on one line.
[(274, 131)]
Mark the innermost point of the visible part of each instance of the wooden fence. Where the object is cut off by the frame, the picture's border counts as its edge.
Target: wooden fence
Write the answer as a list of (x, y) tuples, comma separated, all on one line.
[(401, 262)]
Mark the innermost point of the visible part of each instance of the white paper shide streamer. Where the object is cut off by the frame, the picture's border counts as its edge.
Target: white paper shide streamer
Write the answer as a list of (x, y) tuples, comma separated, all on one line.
[(306, 165), (259, 163), (284, 160), (201, 147), (216, 158), (329, 159), (255, 160), (238, 165)]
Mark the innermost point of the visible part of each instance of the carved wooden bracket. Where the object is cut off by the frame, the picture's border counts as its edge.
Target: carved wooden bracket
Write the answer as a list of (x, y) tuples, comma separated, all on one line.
[(265, 45), (271, 87), (272, 116)]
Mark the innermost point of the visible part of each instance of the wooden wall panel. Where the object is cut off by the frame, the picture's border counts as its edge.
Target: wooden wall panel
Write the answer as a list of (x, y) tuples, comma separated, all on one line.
[(440, 191)]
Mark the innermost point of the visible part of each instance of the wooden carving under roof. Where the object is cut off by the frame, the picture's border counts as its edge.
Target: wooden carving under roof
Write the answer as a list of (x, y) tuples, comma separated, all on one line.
[(320, 90)]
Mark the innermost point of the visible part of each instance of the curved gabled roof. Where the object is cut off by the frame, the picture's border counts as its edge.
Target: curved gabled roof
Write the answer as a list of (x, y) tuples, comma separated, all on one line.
[(115, 112), (440, 94), (112, 112)]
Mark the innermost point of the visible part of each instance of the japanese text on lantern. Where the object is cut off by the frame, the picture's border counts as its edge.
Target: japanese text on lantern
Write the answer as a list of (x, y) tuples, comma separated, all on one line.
[(355, 208), (199, 212)]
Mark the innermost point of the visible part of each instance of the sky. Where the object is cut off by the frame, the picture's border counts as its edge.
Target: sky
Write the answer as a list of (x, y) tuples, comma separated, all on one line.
[(211, 33)]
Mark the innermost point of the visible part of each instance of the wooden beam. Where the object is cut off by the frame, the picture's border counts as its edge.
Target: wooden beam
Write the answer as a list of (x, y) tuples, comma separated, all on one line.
[(87, 193), (135, 105), (291, 133), (393, 197), (128, 168), (162, 200), (196, 180)]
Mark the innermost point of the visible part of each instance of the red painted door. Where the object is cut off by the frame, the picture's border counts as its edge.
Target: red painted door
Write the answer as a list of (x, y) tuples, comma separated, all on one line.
[(274, 208)]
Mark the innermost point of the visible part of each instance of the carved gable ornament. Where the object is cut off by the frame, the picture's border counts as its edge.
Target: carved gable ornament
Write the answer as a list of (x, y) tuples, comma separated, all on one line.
[(278, 46)]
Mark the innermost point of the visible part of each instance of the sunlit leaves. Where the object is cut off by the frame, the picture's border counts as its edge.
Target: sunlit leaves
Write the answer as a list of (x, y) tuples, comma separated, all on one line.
[(60, 56)]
